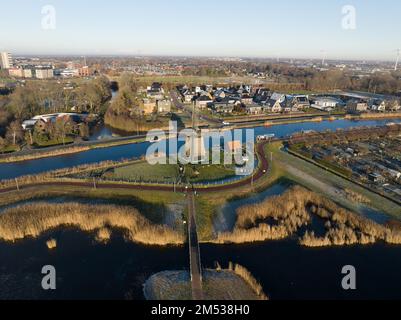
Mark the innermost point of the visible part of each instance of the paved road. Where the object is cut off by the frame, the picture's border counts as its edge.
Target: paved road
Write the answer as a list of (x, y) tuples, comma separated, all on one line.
[(194, 251), (261, 170), (179, 105)]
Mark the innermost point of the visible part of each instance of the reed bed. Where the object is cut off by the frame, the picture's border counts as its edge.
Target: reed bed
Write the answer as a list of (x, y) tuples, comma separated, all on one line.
[(51, 244), (283, 216), (32, 220), (249, 279)]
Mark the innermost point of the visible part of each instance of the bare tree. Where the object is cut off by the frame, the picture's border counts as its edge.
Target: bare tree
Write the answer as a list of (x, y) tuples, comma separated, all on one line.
[(15, 134)]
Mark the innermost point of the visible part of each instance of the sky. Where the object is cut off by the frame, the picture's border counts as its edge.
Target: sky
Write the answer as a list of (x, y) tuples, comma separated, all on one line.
[(233, 28)]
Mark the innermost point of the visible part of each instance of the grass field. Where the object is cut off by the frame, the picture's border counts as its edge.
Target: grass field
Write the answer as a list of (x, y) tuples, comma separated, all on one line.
[(10, 149), (143, 171)]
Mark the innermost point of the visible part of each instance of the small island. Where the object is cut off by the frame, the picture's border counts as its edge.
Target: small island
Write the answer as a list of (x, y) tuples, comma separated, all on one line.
[(235, 283)]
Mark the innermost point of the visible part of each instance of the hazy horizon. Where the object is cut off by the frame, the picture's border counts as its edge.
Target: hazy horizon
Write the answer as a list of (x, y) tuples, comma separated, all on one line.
[(258, 29)]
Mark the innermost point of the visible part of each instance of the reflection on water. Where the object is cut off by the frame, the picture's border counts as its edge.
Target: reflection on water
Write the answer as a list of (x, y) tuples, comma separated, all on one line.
[(88, 270), (13, 170), (288, 271), (85, 269)]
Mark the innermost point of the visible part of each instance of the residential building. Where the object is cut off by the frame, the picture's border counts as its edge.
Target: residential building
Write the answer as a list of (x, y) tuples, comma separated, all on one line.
[(246, 99), (16, 72), (149, 106), (300, 102), (163, 106), (6, 61), (203, 102), (44, 73), (326, 103), (254, 109), (84, 71), (357, 106), (225, 105)]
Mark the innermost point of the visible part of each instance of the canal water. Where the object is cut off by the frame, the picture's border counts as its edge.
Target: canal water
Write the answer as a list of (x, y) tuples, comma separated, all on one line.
[(14, 170), (89, 270)]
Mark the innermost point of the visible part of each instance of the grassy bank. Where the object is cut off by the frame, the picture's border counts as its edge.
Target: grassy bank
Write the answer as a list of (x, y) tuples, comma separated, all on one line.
[(67, 150), (32, 220)]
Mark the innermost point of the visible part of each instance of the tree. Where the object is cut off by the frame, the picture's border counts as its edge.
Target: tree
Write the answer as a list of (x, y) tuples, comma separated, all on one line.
[(15, 134), (62, 128), (2, 143), (84, 130)]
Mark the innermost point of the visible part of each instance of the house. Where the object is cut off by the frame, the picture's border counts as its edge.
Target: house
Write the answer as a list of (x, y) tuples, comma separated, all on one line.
[(377, 178), (378, 105), (274, 106), (276, 103), (188, 96), (203, 102), (219, 94), (394, 105), (163, 106), (246, 99), (254, 109), (148, 106), (155, 91), (300, 102), (225, 105), (357, 106), (326, 103)]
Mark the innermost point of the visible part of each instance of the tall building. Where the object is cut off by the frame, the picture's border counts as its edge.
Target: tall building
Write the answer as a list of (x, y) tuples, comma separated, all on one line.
[(44, 73), (6, 61)]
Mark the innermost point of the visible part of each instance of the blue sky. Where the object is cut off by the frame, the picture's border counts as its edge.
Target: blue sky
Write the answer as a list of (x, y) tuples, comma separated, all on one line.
[(251, 28)]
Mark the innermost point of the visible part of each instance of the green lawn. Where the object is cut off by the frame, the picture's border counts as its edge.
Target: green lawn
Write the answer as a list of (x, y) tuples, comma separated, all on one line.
[(54, 142), (169, 173), (204, 173), (145, 172), (10, 149)]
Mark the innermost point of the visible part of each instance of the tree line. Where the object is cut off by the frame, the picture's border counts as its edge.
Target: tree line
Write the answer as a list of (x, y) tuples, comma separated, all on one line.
[(43, 97)]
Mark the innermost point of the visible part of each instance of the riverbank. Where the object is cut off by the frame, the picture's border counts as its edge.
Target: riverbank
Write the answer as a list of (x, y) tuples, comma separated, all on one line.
[(271, 122), (34, 154)]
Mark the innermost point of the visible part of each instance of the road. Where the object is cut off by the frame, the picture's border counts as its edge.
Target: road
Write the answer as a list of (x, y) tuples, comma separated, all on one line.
[(188, 109), (194, 251), (260, 171)]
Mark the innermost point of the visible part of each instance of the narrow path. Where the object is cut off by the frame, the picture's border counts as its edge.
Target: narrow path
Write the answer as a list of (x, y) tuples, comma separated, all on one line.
[(194, 251)]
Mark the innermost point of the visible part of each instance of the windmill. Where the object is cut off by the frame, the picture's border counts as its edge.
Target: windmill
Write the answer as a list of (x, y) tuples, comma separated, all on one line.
[(397, 60), (324, 53)]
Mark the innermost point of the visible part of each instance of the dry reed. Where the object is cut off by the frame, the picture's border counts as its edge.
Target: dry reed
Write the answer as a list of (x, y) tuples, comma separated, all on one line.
[(282, 216), (51, 244), (32, 220), (249, 279)]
